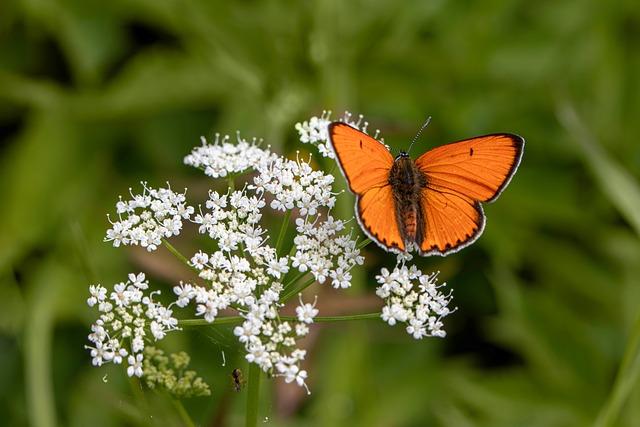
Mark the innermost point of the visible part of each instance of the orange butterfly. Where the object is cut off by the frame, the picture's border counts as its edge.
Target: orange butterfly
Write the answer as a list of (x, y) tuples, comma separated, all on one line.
[(432, 204)]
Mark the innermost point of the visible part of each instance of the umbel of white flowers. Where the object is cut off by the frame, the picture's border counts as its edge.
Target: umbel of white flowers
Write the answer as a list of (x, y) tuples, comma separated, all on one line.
[(247, 271)]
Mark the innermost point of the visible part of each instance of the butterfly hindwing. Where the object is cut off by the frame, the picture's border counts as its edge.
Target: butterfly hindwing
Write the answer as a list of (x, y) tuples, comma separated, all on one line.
[(459, 176), (376, 213), (452, 222), (366, 163)]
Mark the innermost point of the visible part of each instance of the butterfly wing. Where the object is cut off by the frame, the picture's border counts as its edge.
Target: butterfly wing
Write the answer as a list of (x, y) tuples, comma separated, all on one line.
[(459, 176), (365, 163)]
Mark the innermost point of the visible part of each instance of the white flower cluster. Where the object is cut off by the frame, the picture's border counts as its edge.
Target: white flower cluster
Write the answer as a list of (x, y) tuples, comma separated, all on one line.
[(246, 269), (320, 246), (127, 318), (233, 280), (294, 185), (413, 298), (232, 220), (149, 217), (271, 342), (223, 158), (246, 272), (315, 130), (324, 251), (243, 264)]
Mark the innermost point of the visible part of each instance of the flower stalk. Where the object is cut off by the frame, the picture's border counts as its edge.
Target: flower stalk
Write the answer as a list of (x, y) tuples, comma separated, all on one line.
[(253, 395), (184, 415), (317, 319), (176, 253)]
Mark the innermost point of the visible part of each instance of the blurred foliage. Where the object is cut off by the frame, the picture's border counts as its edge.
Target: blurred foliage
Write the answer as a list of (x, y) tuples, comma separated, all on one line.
[(96, 96)]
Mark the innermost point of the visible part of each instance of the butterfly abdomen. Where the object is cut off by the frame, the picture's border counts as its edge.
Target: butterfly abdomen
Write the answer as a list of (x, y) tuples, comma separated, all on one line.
[(410, 221), (407, 183)]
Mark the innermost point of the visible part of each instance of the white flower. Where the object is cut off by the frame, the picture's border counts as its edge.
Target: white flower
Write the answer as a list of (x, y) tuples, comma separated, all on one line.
[(246, 331), (294, 184), (157, 330), (147, 218), (223, 158), (416, 328), (137, 343), (315, 131), (277, 268), (306, 312), (135, 365), (122, 327), (100, 354), (292, 372), (120, 295), (209, 310), (301, 329), (138, 280), (98, 294), (199, 260), (245, 270), (420, 305), (325, 252), (185, 293), (341, 279)]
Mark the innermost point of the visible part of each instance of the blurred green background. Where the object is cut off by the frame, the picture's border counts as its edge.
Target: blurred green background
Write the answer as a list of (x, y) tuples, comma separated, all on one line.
[(96, 96)]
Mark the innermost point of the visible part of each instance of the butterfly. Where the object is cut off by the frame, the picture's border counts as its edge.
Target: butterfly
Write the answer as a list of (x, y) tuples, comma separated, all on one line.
[(432, 204)]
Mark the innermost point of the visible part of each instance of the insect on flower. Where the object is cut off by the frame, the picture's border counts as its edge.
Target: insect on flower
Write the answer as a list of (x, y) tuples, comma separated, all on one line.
[(431, 204)]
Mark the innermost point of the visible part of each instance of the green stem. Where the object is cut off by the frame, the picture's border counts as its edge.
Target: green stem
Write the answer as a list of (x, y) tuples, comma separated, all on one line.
[(184, 415), (625, 380), (329, 319), (231, 183), (283, 231), (295, 279), (333, 168), (364, 243), (292, 251), (318, 319), (296, 290), (176, 253), (253, 395), (202, 322)]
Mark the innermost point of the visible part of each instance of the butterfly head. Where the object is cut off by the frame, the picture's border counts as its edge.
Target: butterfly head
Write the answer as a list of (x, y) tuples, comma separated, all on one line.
[(402, 155)]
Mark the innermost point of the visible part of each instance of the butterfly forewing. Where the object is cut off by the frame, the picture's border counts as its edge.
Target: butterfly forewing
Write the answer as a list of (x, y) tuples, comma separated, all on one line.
[(478, 167), (366, 163)]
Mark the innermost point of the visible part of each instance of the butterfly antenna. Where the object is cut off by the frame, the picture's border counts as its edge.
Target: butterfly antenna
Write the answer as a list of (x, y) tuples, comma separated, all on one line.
[(426, 123)]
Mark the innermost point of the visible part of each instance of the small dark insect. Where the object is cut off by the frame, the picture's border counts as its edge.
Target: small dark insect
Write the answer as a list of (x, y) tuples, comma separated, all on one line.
[(238, 379)]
